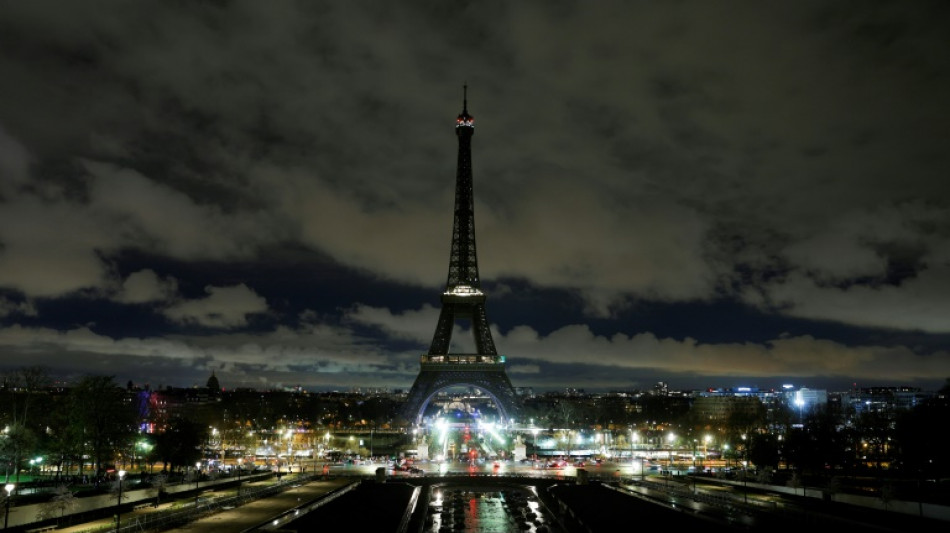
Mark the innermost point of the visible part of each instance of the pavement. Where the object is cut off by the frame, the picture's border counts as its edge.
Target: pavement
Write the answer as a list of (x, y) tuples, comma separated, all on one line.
[(259, 511), (233, 520)]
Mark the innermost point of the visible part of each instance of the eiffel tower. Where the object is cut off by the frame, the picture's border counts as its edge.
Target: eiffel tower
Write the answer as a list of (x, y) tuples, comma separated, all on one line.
[(462, 299)]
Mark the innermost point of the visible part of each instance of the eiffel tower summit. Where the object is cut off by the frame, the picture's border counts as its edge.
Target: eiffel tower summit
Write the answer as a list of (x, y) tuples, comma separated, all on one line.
[(462, 299)]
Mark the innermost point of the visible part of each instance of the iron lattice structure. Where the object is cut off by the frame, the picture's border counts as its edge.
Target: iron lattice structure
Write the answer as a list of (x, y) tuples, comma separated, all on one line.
[(462, 299)]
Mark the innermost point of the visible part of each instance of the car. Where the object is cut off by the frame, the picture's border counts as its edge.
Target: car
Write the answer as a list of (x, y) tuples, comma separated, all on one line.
[(416, 470)]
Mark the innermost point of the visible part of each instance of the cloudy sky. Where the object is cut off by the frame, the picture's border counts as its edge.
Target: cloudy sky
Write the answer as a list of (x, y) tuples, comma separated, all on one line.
[(710, 194)]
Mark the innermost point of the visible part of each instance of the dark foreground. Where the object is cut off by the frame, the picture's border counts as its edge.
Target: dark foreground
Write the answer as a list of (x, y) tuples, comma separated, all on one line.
[(402, 505)]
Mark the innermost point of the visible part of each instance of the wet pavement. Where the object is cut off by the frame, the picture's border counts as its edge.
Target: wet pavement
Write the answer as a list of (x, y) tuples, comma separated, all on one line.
[(477, 510)]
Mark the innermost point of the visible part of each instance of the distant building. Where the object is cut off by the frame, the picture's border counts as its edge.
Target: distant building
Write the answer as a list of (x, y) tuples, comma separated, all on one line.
[(805, 400), (884, 399), (720, 408), (213, 386)]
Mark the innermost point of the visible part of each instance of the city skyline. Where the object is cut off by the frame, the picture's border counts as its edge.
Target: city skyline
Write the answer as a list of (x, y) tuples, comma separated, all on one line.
[(708, 195)]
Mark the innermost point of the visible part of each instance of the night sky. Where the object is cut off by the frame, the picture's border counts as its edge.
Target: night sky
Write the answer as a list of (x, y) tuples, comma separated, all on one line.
[(710, 194)]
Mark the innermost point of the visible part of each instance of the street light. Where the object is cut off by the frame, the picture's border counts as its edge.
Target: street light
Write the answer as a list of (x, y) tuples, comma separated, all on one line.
[(534, 439), (800, 402), (633, 438), (197, 475), (706, 439), (118, 505), (289, 437), (36, 463), (240, 467), (6, 515), (745, 470), (671, 437), (213, 443)]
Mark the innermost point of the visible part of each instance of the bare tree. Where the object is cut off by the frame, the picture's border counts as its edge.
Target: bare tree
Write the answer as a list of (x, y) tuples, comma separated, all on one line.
[(158, 483), (63, 500), (31, 379)]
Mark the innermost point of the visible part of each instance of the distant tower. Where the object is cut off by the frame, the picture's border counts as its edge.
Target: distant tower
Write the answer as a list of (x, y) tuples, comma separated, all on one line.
[(462, 299)]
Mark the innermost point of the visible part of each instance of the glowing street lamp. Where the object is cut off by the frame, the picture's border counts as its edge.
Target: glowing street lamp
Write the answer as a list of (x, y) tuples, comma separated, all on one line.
[(706, 439), (143, 447), (670, 439), (197, 475), (745, 470), (9, 487), (534, 438), (36, 463), (634, 437), (289, 437), (240, 467), (118, 505)]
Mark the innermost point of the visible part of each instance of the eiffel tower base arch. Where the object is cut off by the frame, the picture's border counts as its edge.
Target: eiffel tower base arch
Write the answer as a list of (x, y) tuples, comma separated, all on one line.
[(489, 377)]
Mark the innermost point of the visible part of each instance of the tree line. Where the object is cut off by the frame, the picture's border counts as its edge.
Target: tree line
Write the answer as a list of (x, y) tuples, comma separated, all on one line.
[(93, 422), (96, 421)]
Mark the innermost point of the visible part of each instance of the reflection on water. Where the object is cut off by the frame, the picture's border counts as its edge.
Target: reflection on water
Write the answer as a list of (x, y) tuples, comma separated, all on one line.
[(476, 510)]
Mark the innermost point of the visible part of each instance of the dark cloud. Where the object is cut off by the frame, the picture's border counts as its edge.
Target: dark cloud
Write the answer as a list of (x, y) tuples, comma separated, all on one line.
[(272, 184)]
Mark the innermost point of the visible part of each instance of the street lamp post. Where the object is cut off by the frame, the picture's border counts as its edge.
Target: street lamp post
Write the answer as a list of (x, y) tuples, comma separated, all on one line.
[(197, 475), (671, 437), (240, 466), (706, 439), (37, 465), (631, 446), (800, 402), (118, 504), (745, 470), (6, 514), (143, 448), (534, 440), (290, 451), (214, 444), (634, 439)]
